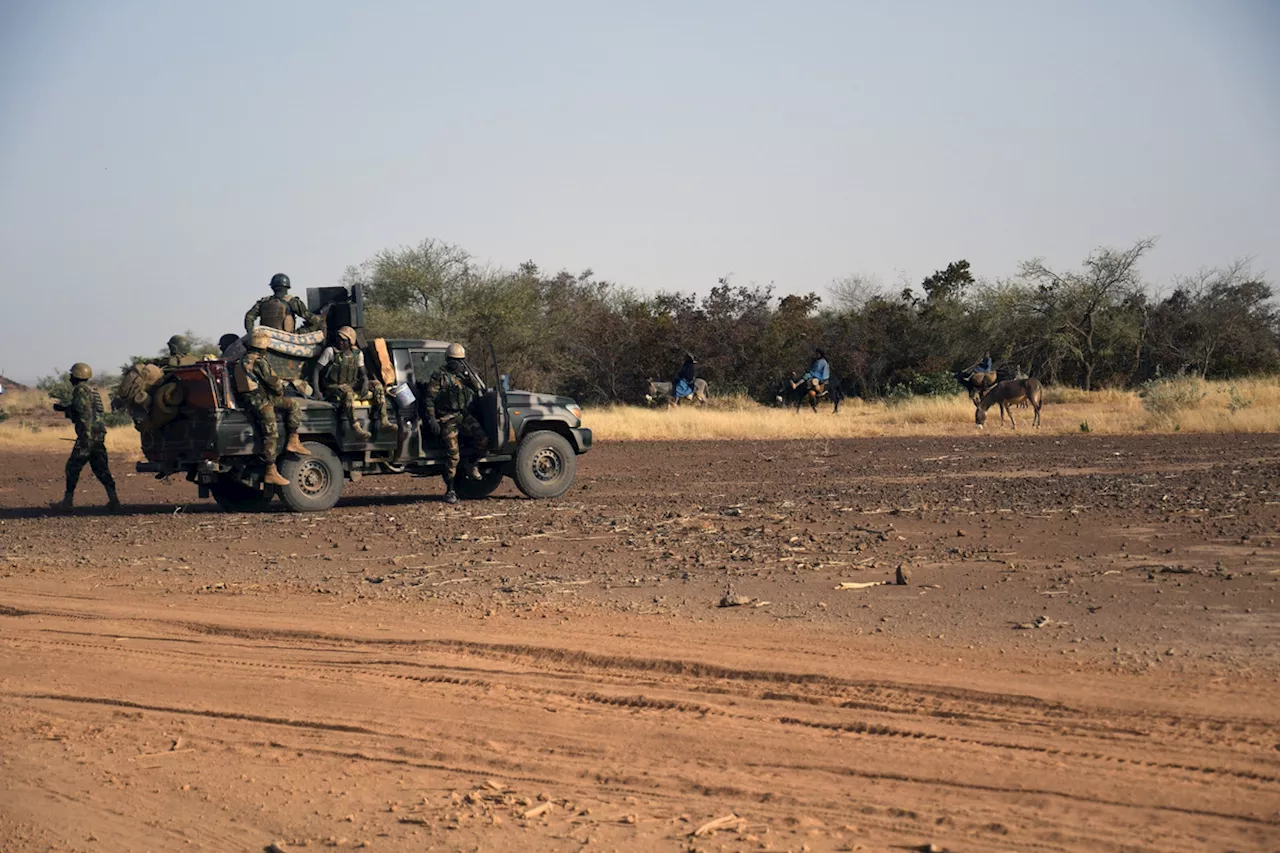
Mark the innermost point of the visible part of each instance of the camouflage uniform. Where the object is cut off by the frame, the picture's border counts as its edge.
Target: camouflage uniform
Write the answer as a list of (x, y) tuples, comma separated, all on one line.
[(263, 397), (279, 312), (339, 372), (448, 399), (85, 411)]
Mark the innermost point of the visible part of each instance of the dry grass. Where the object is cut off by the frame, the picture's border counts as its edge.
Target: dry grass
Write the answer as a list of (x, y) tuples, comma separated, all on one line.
[(32, 426), (24, 403), (122, 442), (1244, 406)]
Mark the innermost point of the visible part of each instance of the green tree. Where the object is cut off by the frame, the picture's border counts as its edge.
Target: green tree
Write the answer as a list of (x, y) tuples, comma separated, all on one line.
[(1080, 305)]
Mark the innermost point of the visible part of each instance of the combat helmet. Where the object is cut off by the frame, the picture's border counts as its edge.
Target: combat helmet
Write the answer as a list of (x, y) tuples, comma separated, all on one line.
[(81, 371), (179, 345), (348, 334), (280, 281), (456, 351), (260, 338)]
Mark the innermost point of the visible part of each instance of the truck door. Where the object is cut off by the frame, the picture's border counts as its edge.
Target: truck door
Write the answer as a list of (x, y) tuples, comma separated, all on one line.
[(423, 363)]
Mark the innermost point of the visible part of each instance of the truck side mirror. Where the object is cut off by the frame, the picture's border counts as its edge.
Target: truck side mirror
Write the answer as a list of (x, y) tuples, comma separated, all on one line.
[(506, 382)]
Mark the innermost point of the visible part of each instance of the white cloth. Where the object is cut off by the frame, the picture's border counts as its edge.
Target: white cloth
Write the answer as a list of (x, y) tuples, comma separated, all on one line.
[(326, 357)]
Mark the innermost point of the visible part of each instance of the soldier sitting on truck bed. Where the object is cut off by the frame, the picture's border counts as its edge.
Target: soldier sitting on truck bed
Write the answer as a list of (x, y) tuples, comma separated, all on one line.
[(446, 402), (179, 354), (261, 392), (280, 310), (341, 376)]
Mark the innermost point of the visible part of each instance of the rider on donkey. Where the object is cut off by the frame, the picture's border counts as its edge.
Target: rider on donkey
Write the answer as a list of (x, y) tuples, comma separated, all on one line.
[(683, 385), (818, 374), (984, 366)]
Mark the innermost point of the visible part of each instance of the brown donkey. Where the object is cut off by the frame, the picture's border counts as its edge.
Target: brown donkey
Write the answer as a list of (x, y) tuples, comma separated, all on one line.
[(1008, 394)]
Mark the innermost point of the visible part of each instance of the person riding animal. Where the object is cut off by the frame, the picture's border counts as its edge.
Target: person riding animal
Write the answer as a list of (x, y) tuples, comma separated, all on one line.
[(980, 377), (984, 366), (683, 385), (817, 376), (446, 406)]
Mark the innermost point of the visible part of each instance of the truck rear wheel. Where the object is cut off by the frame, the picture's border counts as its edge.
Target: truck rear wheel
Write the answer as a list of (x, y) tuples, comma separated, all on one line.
[(545, 465), (315, 481), (473, 490), (234, 496)]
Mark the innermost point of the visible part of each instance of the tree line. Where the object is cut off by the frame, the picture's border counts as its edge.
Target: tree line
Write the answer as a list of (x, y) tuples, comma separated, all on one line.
[(1098, 325)]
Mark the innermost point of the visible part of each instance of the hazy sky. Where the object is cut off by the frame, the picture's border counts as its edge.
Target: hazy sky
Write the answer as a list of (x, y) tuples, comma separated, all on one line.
[(159, 161)]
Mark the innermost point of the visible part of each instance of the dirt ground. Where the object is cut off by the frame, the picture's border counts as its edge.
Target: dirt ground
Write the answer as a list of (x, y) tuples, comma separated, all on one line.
[(1084, 657)]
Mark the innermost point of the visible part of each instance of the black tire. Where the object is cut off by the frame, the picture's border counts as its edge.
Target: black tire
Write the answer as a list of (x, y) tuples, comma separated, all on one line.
[(234, 496), (545, 464), (315, 481), (474, 490)]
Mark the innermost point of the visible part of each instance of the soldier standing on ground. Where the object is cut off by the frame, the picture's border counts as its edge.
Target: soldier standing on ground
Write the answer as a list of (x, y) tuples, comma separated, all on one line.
[(447, 403), (280, 310), (85, 411), (341, 376), (262, 394)]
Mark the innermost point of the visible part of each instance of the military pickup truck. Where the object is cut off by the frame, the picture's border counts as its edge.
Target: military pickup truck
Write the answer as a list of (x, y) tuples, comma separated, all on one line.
[(534, 439)]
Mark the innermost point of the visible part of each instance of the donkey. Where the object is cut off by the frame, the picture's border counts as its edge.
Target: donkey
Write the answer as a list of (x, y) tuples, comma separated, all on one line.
[(1008, 394), (657, 391)]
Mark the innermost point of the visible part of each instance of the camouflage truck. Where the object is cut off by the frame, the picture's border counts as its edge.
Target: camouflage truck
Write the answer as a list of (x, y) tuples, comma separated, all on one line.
[(195, 427)]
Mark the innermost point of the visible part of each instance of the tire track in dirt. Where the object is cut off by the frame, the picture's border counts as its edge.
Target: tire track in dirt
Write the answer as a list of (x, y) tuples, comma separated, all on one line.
[(357, 669)]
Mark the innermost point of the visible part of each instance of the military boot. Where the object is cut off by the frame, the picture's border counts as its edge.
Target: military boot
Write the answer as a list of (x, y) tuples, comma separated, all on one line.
[(403, 434), (360, 431), (471, 471), (64, 505), (113, 502), (450, 496), (273, 477), (293, 445)]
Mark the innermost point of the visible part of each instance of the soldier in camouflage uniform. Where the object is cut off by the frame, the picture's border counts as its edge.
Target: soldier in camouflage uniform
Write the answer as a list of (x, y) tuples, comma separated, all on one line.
[(342, 377), (85, 411), (261, 392), (179, 354), (447, 406), (280, 310)]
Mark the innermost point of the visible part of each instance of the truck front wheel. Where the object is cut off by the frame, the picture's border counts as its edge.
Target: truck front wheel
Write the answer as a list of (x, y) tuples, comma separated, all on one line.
[(545, 465), (315, 481)]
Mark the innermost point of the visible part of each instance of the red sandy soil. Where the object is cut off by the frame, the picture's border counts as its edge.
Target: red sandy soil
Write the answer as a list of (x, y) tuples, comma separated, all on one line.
[(1084, 658)]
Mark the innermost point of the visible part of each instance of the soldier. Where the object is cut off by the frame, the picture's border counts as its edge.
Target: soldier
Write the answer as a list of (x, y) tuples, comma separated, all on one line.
[(179, 354), (85, 411), (280, 310), (262, 393), (447, 404), (341, 376), (225, 342)]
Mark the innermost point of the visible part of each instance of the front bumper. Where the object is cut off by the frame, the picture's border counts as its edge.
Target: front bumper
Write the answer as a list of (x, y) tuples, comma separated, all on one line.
[(581, 439)]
